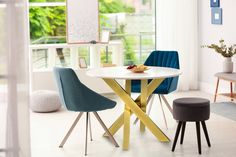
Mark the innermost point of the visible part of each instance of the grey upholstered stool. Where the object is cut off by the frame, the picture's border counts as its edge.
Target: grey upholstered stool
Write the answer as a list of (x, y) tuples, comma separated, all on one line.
[(192, 110)]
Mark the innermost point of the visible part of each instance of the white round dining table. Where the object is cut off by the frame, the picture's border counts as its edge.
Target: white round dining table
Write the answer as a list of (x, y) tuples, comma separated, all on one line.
[(122, 72), (137, 106)]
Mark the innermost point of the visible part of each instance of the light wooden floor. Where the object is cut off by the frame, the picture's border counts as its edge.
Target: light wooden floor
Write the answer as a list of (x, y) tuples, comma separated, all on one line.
[(47, 131)]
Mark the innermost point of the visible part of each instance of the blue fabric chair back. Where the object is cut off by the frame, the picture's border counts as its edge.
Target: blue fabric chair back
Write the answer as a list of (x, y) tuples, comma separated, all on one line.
[(76, 96), (162, 59)]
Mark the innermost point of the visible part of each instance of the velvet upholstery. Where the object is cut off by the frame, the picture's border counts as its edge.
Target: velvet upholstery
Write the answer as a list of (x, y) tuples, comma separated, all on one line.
[(191, 109), (162, 59), (76, 96)]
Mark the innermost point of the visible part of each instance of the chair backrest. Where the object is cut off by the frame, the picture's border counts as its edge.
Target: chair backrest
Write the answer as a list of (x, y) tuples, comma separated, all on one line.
[(76, 96), (69, 87), (165, 59)]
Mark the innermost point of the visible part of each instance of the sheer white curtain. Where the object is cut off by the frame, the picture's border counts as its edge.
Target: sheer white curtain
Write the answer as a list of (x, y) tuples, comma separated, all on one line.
[(177, 27), (14, 86)]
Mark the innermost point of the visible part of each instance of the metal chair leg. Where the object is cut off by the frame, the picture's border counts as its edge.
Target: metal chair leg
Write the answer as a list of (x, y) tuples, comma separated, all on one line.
[(86, 136), (167, 104), (151, 97), (106, 130), (90, 128), (150, 107), (70, 130), (163, 111)]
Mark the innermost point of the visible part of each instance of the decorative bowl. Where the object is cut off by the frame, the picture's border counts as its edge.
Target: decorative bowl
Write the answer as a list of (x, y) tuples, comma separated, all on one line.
[(137, 69)]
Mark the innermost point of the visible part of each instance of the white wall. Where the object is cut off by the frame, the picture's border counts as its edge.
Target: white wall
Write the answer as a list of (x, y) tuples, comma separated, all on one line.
[(210, 62), (45, 80)]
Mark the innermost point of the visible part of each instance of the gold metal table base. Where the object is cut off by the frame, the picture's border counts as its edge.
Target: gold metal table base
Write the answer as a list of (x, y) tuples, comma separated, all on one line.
[(138, 107)]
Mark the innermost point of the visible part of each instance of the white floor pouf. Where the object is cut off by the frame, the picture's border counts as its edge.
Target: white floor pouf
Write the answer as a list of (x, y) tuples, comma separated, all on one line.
[(45, 101)]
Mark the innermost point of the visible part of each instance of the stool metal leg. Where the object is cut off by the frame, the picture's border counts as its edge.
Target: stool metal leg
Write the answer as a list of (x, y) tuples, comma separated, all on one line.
[(198, 137), (176, 135), (206, 133), (182, 133)]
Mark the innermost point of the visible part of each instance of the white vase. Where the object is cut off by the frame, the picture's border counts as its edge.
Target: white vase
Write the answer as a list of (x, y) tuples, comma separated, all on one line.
[(228, 65)]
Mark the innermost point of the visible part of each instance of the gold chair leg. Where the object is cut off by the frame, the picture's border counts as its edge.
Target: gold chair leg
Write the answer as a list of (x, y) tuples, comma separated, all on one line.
[(71, 129), (163, 111), (105, 128), (90, 128), (86, 136)]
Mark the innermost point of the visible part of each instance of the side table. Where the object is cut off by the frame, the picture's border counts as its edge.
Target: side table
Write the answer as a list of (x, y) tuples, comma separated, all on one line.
[(231, 77)]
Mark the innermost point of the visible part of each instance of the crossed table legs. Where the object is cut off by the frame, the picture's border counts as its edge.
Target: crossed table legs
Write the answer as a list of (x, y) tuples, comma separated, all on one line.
[(138, 107)]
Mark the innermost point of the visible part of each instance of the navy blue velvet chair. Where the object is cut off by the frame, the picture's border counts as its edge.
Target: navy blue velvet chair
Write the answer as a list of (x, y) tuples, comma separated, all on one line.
[(75, 96), (161, 59)]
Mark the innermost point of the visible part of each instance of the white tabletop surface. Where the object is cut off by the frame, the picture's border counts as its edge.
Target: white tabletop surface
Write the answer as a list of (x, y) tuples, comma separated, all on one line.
[(123, 73)]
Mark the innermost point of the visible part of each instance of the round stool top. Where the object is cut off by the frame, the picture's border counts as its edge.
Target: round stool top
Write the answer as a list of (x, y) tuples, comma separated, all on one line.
[(192, 101), (191, 109)]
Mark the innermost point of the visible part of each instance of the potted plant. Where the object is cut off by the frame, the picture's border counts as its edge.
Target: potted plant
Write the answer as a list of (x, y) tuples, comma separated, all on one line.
[(227, 52)]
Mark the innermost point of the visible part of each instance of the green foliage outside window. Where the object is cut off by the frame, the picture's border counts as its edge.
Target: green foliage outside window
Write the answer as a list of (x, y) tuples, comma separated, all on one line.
[(51, 21), (47, 21)]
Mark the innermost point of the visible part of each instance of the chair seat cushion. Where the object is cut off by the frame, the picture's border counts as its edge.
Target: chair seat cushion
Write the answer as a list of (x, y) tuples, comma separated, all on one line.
[(191, 109), (45, 101)]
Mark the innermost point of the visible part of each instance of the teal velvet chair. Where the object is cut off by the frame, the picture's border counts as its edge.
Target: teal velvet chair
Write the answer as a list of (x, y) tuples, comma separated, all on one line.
[(75, 96), (162, 59)]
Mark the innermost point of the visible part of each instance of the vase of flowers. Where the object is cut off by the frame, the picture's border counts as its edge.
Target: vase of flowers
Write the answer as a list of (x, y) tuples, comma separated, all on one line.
[(227, 52), (228, 65)]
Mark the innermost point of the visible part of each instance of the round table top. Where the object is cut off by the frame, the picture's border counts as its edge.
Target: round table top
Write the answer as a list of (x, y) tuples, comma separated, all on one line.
[(122, 73)]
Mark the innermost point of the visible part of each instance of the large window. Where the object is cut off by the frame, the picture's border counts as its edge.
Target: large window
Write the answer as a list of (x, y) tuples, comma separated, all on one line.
[(131, 23)]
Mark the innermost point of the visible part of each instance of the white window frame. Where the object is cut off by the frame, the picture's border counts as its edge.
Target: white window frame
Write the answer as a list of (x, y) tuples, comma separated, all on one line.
[(46, 4)]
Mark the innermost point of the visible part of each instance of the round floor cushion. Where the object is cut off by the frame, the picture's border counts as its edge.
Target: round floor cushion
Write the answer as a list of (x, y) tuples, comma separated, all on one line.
[(45, 101)]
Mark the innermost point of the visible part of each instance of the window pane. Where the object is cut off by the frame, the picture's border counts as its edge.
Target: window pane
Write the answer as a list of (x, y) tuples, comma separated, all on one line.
[(47, 25), (133, 23), (130, 22)]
